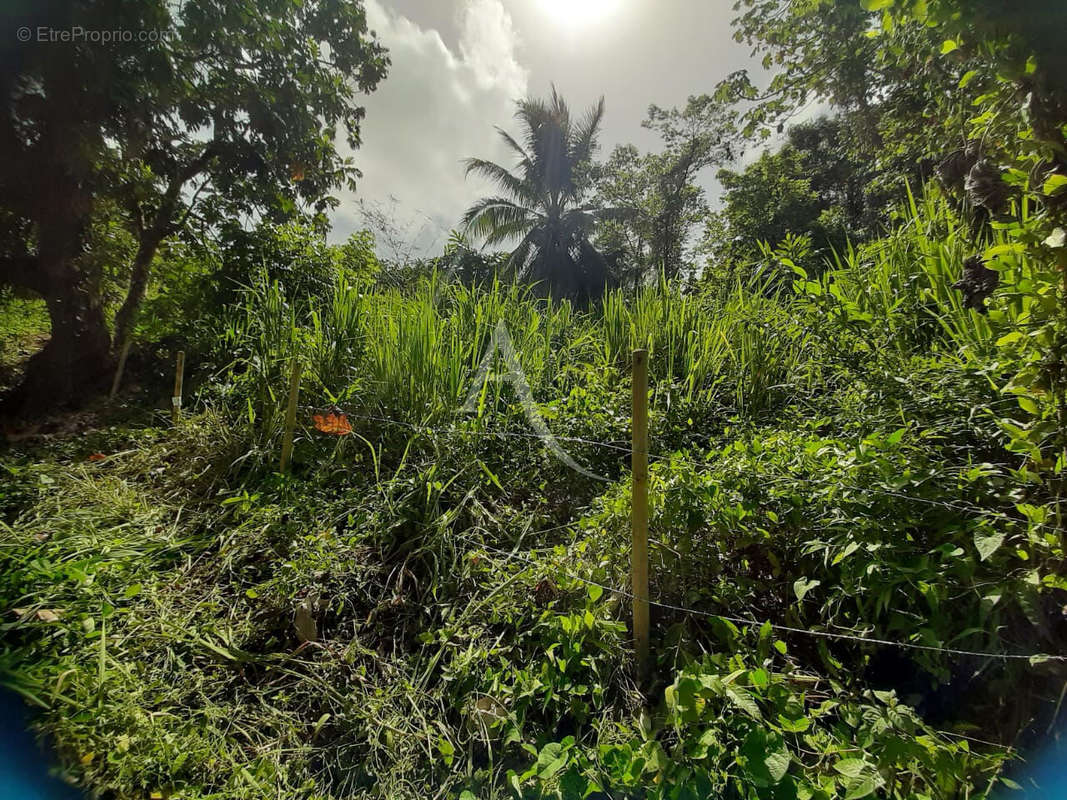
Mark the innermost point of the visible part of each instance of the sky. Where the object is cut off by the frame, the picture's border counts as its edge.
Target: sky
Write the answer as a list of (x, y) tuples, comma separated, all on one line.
[(458, 66)]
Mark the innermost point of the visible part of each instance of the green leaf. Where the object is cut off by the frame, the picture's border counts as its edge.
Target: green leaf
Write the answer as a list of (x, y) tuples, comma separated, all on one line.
[(744, 701), (1009, 338), (802, 586), (850, 548), (1055, 183), (794, 725), (595, 592), (948, 46), (852, 767), (1028, 405), (968, 76), (766, 758), (987, 543), (132, 590), (876, 5), (550, 760), (447, 751), (1013, 248), (760, 679), (777, 764), (861, 787)]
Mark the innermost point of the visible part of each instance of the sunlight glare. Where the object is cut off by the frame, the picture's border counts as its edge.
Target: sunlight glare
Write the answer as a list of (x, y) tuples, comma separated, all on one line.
[(577, 14)]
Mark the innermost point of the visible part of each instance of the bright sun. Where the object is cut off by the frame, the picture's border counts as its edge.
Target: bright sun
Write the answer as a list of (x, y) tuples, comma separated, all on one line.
[(576, 14)]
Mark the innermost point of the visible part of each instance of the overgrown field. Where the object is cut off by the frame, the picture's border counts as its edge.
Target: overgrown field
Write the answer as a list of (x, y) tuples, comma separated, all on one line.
[(434, 606)]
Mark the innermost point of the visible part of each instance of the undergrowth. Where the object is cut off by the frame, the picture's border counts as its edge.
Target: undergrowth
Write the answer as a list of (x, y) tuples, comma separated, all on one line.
[(432, 606)]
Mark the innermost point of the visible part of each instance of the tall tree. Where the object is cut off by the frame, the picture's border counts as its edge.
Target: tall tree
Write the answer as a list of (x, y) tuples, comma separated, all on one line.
[(656, 194), (630, 180), (185, 114), (814, 185), (544, 201), (695, 137)]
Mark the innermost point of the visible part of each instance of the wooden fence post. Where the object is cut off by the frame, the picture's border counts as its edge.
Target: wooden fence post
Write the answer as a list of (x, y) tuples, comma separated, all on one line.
[(639, 519), (120, 368), (290, 415), (176, 398)]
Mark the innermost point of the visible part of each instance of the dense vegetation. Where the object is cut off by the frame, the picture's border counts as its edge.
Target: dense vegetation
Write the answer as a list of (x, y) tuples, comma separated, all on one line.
[(858, 426)]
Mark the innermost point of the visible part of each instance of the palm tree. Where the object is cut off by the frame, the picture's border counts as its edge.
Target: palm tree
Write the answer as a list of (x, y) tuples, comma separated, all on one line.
[(543, 201)]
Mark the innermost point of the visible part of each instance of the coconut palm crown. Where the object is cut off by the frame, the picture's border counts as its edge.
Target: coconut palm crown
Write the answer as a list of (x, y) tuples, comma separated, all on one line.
[(543, 200)]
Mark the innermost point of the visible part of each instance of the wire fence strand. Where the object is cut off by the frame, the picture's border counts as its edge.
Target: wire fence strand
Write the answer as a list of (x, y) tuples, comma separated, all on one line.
[(515, 556), (454, 431), (747, 622)]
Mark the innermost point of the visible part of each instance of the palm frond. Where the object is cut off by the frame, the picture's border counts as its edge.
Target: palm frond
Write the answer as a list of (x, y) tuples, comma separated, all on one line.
[(583, 140), (520, 151), (512, 184), (525, 254), (484, 218)]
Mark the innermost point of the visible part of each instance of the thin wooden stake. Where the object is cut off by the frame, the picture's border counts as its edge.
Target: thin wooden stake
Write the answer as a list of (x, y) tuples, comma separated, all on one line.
[(639, 551), (120, 368), (176, 398), (290, 415)]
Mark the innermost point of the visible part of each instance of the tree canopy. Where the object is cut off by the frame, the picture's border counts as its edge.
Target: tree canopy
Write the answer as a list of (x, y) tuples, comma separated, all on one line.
[(545, 200), (224, 109)]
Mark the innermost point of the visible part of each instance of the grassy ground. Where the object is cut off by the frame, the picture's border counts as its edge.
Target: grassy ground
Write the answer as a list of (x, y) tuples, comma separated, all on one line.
[(434, 606), (23, 331)]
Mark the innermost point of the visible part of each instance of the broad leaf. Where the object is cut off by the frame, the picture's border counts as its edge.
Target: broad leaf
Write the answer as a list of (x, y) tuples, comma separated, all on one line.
[(987, 543)]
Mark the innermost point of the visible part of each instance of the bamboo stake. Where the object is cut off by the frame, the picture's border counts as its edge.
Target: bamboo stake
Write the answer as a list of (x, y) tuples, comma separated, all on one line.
[(639, 520), (120, 368), (176, 398), (290, 415)]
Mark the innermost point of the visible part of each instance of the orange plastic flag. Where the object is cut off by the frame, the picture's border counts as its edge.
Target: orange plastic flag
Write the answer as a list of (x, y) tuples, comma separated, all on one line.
[(334, 423)]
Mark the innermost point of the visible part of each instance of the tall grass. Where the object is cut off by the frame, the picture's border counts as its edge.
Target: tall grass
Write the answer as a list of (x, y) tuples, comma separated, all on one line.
[(412, 355)]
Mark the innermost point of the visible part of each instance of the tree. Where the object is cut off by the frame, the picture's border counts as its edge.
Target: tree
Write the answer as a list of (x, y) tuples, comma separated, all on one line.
[(207, 110), (296, 255), (813, 185), (656, 195), (630, 182), (979, 86), (695, 137), (900, 102), (544, 201), (769, 199), (468, 265)]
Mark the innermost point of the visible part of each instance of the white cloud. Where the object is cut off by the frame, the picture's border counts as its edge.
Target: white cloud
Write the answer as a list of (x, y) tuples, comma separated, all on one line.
[(435, 108)]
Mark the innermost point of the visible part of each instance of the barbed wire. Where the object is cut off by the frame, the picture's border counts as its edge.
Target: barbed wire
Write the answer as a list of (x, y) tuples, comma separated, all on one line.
[(676, 458), (515, 556)]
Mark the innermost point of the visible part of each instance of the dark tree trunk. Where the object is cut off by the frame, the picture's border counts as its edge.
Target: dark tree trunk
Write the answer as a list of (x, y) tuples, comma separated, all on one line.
[(75, 362)]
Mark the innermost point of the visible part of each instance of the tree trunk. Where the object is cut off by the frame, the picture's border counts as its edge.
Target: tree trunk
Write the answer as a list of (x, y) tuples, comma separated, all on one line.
[(127, 314), (76, 359), (148, 244)]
